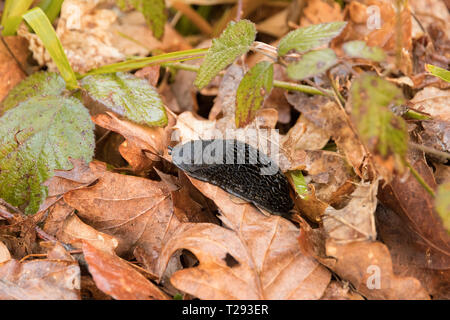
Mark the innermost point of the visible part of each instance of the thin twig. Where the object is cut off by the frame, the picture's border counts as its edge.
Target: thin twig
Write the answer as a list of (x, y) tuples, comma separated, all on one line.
[(430, 150), (193, 15)]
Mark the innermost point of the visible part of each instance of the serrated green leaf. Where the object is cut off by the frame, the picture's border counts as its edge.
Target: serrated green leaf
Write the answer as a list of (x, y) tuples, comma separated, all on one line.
[(438, 72), (154, 12), (38, 84), (36, 138), (253, 89), (128, 96), (310, 37), (301, 187), (359, 49), (311, 64), (234, 41), (383, 132), (443, 204), (37, 20)]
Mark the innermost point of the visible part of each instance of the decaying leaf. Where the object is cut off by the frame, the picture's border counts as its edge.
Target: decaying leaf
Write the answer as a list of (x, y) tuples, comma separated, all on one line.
[(257, 258), (39, 280), (136, 211), (117, 278)]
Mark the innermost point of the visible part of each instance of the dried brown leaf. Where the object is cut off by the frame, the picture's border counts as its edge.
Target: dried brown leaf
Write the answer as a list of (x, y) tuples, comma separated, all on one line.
[(117, 278), (257, 258), (40, 280)]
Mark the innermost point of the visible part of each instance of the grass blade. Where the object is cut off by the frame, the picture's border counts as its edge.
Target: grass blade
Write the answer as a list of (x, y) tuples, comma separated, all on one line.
[(12, 15), (52, 8), (142, 62), (37, 19)]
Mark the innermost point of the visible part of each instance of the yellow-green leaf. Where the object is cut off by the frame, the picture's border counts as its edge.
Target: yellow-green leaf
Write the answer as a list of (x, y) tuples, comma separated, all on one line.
[(383, 132), (438, 72), (12, 15), (253, 89), (301, 187), (443, 204)]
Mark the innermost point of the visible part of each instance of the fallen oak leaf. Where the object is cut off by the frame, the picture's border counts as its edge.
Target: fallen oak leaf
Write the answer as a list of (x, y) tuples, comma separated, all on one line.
[(117, 278), (136, 211), (257, 258)]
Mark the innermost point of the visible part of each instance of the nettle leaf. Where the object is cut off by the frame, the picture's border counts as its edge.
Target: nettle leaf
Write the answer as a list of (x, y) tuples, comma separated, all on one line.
[(383, 132), (311, 64), (310, 37), (154, 12), (301, 187), (253, 89), (234, 41), (37, 84), (438, 72), (36, 138), (128, 96), (443, 204), (359, 49)]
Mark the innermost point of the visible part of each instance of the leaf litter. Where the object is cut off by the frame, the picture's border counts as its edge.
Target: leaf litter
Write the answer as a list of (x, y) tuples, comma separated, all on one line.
[(360, 125)]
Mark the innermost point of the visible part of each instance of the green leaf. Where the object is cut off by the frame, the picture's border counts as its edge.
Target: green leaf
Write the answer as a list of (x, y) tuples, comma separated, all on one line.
[(310, 37), (12, 15), (311, 64), (443, 204), (154, 12), (38, 84), (36, 138), (127, 95), (37, 19), (252, 91), (383, 132), (438, 72), (234, 41), (300, 184), (359, 49)]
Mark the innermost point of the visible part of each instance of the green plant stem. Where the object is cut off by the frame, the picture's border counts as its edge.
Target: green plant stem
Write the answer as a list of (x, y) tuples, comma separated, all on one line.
[(420, 179), (139, 63), (276, 83)]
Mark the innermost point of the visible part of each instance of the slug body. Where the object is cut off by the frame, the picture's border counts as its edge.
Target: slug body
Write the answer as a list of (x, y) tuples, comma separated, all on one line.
[(239, 169)]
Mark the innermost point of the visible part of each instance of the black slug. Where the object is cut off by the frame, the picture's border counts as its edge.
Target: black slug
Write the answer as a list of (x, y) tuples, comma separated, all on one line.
[(239, 169)]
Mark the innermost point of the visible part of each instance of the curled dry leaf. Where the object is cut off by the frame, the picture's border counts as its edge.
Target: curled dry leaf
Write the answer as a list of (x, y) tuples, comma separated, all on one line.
[(74, 230), (143, 144), (415, 208), (368, 266), (436, 132), (136, 211), (332, 119), (117, 278), (340, 291), (4, 253), (356, 221), (40, 280), (258, 257)]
